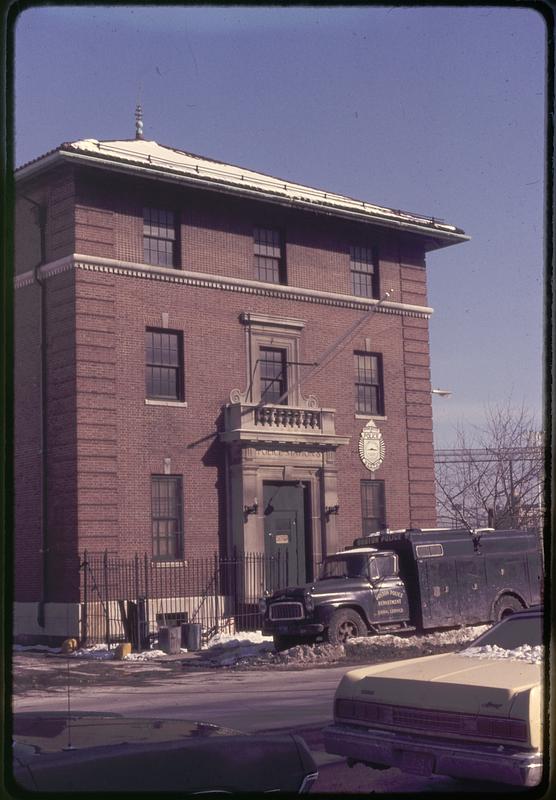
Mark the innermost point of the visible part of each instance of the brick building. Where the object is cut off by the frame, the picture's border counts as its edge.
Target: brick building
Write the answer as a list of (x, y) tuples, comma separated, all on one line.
[(209, 358)]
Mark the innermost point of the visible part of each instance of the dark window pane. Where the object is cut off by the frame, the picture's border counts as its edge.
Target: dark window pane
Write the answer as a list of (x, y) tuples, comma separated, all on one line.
[(268, 255), (273, 375), (363, 272), (373, 506), (163, 365), (159, 235), (167, 528), (368, 384)]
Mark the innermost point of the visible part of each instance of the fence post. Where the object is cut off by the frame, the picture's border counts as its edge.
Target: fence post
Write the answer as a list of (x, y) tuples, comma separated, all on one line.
[(84, 609), (233, 573), (137, 616), (216, 590), (106, 607), (147, 610)]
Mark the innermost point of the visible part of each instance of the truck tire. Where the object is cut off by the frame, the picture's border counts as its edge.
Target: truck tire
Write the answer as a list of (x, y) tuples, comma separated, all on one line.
[(505, 606), (345, 624)]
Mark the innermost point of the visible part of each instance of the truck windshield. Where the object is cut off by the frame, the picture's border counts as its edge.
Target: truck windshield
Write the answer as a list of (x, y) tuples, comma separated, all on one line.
[(354, 566)]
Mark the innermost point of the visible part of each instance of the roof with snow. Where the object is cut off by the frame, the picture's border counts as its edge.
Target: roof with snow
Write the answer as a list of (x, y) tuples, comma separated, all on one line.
[(151, 159)]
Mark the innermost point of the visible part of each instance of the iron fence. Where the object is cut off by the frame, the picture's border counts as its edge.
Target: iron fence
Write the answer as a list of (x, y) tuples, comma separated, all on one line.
[(130, 599)]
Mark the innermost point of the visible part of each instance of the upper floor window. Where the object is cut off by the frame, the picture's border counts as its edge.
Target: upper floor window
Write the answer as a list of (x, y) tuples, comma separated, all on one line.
[(364, 271), (167, 517), (368, 384), (159, 237), (274, 372), (269, 261), (164, 360), (373, 506)]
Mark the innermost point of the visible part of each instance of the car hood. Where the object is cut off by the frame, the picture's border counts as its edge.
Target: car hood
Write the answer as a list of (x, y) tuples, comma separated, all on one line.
[(451, 682)]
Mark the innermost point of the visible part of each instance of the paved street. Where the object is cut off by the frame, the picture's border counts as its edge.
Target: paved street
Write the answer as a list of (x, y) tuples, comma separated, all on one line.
[(252, 701)]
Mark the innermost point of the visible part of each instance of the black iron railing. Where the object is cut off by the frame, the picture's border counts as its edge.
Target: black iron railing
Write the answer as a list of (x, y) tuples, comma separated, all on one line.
[(130, 599)]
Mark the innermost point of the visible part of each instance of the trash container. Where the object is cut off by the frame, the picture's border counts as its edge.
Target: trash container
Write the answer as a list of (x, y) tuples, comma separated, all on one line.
[(191, 635), (169, 640)]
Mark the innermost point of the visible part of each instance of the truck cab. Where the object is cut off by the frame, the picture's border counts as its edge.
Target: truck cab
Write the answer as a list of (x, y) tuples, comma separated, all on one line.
[(357, 591)]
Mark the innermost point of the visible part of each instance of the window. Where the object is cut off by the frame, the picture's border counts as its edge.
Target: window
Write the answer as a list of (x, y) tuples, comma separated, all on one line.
[(428, 550), (373, 506), (364, 271), (166, 504), (159, 236), (269, 263), (164, 359), (368, 384), (274, 382), (383, 566)]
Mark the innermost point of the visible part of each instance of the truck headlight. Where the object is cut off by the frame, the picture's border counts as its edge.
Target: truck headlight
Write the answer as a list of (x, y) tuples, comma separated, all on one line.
[(262, 605), (309, 602)]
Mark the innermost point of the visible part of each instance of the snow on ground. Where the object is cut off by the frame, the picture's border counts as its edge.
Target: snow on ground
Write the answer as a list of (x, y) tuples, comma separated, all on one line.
[(534, 655), (42, 648), (370, 649), (252, 649), (390, 646)]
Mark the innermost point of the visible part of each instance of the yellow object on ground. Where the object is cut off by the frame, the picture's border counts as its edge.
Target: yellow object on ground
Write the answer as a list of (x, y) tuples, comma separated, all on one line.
[(122, 650)]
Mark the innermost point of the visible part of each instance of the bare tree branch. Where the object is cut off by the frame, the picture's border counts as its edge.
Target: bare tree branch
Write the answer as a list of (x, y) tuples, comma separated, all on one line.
[(494, 475)]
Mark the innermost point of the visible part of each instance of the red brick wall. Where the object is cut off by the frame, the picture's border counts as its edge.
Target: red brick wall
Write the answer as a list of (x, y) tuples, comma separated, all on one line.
[(61, 440), (27, 442), (136, 438)]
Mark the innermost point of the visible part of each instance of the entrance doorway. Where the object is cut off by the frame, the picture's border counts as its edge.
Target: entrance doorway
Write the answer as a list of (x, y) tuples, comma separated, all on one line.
[(287, 529)]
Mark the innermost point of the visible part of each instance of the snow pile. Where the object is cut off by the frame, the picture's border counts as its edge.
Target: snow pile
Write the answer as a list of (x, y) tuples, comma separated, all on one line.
[(233, 639), (299, 656), (527, 652), (97, 652), (391, 647), (309, 654), (224, 649), (147, 655)]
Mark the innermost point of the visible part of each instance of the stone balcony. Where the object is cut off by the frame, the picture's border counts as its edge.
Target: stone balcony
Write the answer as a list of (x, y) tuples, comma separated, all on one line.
[(252, 422)]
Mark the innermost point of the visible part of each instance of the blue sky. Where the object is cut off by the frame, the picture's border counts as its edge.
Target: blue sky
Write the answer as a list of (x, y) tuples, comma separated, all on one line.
[(435, 110)]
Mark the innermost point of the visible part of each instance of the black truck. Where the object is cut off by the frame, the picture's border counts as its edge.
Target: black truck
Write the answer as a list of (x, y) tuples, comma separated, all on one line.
[(411, 580)]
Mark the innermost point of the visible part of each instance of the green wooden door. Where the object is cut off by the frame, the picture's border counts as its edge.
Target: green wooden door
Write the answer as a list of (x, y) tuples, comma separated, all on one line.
[(284, 530)]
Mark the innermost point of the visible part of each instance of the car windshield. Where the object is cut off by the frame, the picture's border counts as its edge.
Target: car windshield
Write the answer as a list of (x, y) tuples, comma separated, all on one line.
[(345, 566), (513, 632)]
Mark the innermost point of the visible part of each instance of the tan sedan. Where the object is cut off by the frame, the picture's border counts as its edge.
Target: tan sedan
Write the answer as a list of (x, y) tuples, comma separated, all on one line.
[(473, 714)]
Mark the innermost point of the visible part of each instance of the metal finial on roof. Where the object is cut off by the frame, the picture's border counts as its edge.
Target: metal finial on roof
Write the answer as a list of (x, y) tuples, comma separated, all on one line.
[(138, 122)]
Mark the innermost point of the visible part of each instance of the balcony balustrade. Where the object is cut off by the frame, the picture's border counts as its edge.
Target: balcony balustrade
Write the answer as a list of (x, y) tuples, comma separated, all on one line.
[(273, 422)]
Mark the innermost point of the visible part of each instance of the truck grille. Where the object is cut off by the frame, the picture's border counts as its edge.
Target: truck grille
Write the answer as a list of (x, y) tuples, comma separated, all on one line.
[(286, 611)]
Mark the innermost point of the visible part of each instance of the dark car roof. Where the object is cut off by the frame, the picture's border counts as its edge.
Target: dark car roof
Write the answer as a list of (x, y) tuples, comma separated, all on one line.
[(51, 733)]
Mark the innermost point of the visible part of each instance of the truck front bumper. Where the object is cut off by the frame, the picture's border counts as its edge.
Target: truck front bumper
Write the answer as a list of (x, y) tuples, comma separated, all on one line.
[(293, 628), (428, 756)]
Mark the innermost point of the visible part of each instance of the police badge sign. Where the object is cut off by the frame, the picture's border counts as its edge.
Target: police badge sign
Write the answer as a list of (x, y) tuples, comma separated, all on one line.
[(371, 446)]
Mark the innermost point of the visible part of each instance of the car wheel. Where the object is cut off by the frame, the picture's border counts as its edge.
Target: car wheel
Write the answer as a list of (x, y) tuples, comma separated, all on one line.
[(505, 606), (345, 624)]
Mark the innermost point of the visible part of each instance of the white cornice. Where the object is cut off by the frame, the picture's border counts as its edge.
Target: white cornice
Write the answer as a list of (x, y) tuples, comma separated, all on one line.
[(220, 282)]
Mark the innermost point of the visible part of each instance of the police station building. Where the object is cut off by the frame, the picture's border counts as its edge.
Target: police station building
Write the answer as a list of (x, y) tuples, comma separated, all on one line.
[(210, 360)]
